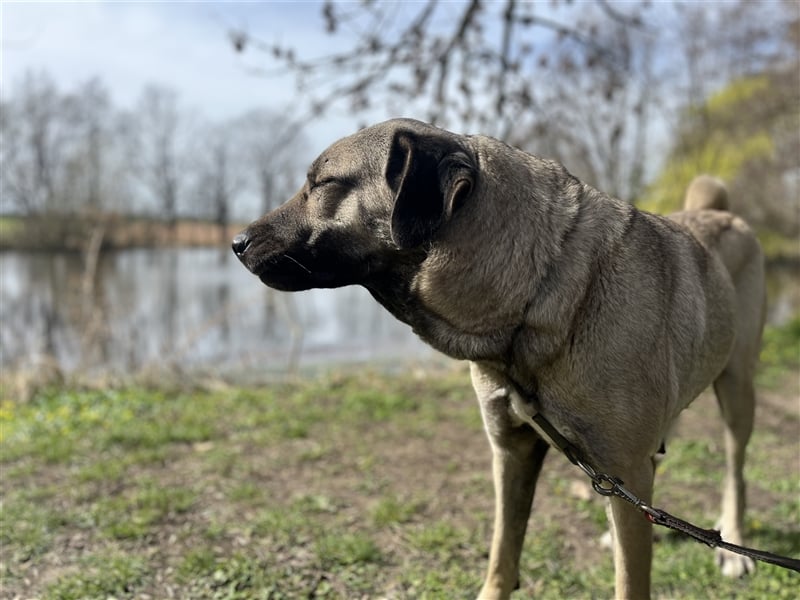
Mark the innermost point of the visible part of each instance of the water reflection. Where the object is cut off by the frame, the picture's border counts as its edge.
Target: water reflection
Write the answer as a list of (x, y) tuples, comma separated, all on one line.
[(189, 308)]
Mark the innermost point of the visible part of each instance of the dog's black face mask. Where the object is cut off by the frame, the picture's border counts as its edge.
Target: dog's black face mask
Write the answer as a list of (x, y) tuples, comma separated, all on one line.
[(303, 244), (370, 200)]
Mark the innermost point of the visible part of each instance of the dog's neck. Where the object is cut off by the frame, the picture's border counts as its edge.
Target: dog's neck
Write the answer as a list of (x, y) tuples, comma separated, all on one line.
[(394, 291)]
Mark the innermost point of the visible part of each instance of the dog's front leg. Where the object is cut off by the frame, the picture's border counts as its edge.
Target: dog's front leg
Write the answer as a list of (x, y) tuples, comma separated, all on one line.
[(515, 466), (633, 535), (518, 453)]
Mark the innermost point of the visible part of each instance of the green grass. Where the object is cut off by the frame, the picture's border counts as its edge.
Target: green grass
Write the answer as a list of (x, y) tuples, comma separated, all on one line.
[(337, 487), (149, 505), (391, 510), (343, 549), (438, 538), (27, 528), (101, 576)]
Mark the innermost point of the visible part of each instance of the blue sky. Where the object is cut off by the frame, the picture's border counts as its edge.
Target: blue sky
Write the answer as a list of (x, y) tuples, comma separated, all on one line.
[(183, 45)]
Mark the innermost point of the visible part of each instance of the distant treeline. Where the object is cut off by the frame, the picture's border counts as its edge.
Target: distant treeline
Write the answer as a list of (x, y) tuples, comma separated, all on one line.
[(72, 157), (72, 233)]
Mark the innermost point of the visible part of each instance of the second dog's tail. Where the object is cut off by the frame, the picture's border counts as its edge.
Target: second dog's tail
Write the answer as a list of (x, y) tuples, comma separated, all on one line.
[(706, 192)]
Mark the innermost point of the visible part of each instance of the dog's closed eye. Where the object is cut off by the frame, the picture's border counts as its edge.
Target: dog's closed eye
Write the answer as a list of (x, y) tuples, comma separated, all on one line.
[(341, 182)]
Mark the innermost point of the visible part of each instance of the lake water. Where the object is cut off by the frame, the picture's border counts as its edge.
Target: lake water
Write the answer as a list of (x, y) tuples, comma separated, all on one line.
[(198, 309), (192, 308)]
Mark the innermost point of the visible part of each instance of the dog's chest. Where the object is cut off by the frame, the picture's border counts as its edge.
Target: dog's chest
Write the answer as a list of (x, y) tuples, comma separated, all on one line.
[(472, 295)]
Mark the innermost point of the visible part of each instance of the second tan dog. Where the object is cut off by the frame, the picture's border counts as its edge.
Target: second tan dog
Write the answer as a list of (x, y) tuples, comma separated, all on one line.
[(610, 320)]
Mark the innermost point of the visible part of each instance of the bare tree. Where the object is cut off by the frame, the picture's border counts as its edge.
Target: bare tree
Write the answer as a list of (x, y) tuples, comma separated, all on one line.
[(575, 80), (598, 121), (76, 153), (472, 62), (273, 147), (720, 42), (158, 152), (13, 195), (91, 143), (34, 136), (221, 175), (95, 121)]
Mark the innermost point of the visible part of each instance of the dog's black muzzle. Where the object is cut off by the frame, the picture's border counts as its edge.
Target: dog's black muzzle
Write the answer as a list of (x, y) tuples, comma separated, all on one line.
[(292, 268)]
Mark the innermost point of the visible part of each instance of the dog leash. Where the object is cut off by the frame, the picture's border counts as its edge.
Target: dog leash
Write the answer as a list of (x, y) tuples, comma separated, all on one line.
[(607, 485)]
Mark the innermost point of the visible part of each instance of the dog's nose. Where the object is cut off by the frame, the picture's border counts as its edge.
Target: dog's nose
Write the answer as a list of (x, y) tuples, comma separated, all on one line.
[(240, 243)]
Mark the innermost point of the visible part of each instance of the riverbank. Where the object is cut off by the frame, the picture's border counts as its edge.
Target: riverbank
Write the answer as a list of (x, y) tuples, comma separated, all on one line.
[(69, 233)]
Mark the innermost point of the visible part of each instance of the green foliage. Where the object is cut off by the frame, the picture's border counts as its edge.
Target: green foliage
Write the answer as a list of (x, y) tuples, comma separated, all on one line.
[(10, 228), (239, 577), (685, 569), (448, 580), (715, 155), (692, 462), (726, 103), (716, 140), (746, 134), (780, 352), (776, 245), (197, 562), (378, 405)]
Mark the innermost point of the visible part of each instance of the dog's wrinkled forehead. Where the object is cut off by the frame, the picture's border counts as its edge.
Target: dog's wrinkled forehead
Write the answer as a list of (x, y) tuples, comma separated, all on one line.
[(364, 153), (352, 157)]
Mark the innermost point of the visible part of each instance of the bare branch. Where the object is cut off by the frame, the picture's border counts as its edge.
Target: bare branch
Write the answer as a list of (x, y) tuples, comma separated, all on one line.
[(416, 58)]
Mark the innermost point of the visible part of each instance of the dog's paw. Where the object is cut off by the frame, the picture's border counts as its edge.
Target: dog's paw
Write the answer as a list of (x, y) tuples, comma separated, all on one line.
[(734, 565)]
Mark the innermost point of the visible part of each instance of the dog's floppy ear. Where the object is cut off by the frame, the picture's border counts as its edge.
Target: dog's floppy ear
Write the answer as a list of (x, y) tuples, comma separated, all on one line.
[(431, 177)]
